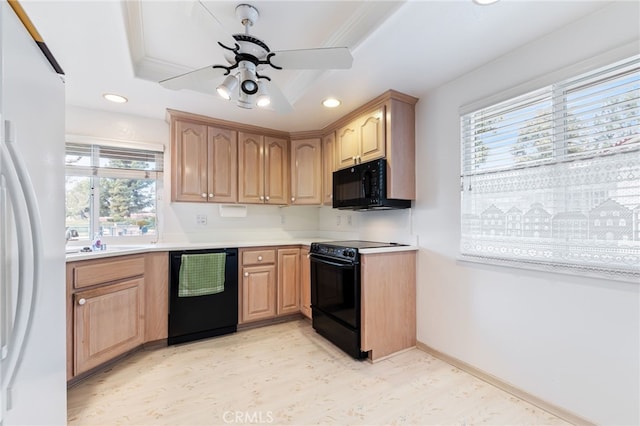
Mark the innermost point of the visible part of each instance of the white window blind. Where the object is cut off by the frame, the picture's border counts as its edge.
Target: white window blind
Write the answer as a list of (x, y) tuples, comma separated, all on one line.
[(551, 178)]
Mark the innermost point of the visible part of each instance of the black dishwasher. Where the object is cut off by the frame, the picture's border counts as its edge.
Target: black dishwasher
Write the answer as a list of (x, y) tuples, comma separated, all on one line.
[(198, 317)]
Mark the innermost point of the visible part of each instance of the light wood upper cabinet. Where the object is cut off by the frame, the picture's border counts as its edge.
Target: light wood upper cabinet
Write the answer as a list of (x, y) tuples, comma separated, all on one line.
[(223, 165), (263, 169), (328, 167), (204, 163), (363, 139), (306, 171), (276, 170), (288, 281)]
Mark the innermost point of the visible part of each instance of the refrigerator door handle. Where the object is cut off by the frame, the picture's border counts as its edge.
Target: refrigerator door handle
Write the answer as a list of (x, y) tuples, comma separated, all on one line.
[(28, 229)]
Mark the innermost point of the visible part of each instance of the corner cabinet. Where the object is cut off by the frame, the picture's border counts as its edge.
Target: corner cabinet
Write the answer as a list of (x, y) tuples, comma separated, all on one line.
[(203, 162), (263, 169), (306, 171), (105, 311)]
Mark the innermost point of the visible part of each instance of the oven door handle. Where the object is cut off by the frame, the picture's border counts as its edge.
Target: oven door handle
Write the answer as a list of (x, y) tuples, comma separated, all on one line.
[(326, 261)]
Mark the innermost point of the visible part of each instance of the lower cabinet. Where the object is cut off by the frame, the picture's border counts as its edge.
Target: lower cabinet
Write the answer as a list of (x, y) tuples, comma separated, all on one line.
[(270, 280), (114, 305), (305, 282), (258, 278), (109, 321), (288, 281)]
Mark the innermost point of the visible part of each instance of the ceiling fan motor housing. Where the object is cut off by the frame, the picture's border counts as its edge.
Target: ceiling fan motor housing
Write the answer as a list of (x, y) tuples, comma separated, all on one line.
[(247, 14)]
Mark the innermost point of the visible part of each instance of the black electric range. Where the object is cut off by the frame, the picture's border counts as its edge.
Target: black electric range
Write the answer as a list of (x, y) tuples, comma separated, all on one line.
[(336, 291), (346, 250)]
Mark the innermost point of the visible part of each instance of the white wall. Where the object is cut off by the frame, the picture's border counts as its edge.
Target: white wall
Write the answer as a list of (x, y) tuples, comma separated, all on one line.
[(569, 340)]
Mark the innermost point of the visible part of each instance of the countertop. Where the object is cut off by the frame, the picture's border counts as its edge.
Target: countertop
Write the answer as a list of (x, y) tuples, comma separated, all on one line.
[(123, 249)]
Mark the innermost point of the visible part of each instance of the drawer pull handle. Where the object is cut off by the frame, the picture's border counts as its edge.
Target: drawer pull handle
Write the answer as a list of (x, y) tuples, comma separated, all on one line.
[(259, 258), (82, 301)]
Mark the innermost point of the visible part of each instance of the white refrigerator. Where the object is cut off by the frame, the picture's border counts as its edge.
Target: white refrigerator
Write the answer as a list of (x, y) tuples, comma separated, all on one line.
[(32, 264)]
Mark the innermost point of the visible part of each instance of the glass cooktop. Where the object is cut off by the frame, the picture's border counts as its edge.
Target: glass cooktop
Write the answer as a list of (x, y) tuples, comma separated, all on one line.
[(357, 244)]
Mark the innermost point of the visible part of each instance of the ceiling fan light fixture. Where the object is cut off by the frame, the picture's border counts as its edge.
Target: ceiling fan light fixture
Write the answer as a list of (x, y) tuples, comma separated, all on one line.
[(331, 102), (227, 87), (263, 95)]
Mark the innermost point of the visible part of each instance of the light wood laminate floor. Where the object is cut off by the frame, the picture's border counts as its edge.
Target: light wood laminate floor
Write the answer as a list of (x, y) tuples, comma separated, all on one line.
[(288, 374)]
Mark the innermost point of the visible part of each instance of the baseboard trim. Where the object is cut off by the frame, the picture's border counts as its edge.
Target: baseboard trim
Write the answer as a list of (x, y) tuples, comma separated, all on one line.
[(501, 384)]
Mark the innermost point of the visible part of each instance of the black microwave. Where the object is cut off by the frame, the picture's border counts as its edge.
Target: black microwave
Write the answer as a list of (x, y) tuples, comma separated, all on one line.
[(364, 187)]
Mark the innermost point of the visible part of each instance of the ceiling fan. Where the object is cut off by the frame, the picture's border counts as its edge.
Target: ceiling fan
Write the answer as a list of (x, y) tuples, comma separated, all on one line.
[(248, 57)]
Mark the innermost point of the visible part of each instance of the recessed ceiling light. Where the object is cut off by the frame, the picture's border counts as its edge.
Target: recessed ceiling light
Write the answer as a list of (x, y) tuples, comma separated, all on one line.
[(485, 2), (115, 98), (331, 102)]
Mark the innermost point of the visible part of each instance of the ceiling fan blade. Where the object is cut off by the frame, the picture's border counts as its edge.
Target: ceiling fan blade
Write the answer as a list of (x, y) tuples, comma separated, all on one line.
[(313, 59), (226, 38), (202, 80), (279, 102)]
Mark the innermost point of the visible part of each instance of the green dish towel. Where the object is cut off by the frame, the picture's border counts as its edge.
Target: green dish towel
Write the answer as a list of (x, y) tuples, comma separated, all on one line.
[(201, 274)]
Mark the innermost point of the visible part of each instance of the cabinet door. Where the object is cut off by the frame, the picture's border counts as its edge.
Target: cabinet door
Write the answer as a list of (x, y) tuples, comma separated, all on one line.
[(276, 171), (305, 282), (223, 165), (156, 296), (108, 322), (288, 281), (258, 292), (371, 129), (189, 162), (347, 145), (306, 171), (250, 168), (328, 167)]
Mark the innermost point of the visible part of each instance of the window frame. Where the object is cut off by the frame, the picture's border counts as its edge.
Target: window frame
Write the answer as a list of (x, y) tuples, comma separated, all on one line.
[(95, 172), (558, 92)]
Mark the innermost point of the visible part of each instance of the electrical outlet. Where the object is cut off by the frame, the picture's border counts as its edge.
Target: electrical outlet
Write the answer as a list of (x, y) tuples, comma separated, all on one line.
[(201, 219), (349, 222), (338, 220)]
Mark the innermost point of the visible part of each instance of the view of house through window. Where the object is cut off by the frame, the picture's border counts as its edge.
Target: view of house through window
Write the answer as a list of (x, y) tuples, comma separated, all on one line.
[(552, 177), (111, 191)]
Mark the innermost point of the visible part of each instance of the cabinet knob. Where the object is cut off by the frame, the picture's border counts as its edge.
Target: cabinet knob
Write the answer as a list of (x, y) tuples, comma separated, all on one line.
[(210, 195), (261, 198), (203, 195), (293, 199), (82, 301), (267, 198), (260, 258), (246, 274)]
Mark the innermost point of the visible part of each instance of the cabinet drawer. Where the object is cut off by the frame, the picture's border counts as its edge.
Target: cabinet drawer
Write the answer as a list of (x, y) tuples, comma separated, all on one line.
[(258, 257), (101, 271)]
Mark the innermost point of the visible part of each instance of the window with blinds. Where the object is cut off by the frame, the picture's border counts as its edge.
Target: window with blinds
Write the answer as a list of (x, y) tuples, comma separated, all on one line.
[(111, 190), (551, 178)]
